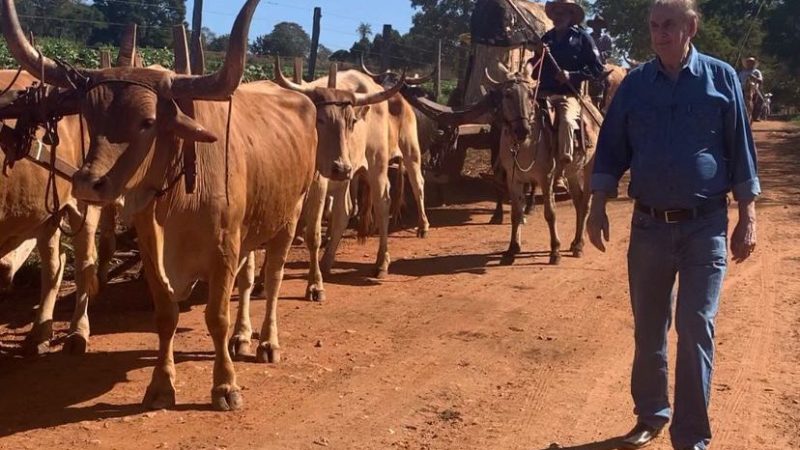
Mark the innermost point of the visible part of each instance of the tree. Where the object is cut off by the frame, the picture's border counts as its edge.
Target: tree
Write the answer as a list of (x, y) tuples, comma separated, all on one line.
[(441, 19), (286, 39), (364, 30), (154, 17), (69, 19), (218, 43)]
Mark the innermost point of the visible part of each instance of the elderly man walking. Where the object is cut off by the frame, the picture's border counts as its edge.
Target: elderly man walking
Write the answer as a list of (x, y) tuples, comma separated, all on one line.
[(678, 123)]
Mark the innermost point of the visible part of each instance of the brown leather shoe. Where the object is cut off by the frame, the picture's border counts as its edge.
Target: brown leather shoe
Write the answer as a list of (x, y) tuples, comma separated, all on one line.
[(640, 436)]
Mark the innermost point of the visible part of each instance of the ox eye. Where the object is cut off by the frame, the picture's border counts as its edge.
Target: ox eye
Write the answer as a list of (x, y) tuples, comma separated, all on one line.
[(148, 123)]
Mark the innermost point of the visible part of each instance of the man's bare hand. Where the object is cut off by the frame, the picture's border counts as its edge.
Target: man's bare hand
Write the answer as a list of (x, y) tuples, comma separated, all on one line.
[(562, 76), (597, 225), (743, 241)]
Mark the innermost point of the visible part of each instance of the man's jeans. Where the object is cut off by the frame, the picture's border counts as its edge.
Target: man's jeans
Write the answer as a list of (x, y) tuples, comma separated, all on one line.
[(695, 251)]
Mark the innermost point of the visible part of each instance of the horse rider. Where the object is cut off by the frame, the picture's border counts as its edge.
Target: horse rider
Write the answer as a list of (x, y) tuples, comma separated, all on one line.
[(598, 25), (579, 60), (750, 71)]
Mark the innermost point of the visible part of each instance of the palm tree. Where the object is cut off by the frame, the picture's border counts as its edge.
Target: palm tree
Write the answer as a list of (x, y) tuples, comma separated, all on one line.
[(364, 30)]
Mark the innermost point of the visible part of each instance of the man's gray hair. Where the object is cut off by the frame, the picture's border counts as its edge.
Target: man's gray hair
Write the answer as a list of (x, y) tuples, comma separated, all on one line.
[(687, 7)]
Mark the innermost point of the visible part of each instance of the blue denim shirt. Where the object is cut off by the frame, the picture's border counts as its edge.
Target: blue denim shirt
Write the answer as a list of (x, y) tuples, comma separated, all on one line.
[(684, 141), (577, 54)]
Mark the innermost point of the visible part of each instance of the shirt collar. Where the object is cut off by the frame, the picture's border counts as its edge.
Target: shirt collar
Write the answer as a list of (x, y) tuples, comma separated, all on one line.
[(692, 64)]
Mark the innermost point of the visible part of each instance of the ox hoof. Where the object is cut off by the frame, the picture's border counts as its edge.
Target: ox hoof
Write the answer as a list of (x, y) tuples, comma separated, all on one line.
[(508, 258), (577, 250), (422, 233), (75, 344), (226, 398), (555, 259), (315, 294), (268, 353), (239, 348), (157, 397), (33, 348), (381, 273), (497, 219)]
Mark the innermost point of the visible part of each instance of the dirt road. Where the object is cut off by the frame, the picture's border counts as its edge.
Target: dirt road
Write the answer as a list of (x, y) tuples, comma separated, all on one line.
[(452, 351)]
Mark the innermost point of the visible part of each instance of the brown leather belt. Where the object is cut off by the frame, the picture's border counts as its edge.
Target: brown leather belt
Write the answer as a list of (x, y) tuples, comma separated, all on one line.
[(39, 154), (682, 215)]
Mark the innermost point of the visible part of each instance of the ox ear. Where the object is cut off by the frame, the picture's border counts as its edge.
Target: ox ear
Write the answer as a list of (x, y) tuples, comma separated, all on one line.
[(361, 112), (174, 120)]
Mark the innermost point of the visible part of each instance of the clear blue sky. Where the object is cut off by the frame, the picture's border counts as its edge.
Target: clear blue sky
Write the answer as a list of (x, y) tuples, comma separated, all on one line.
[(339, 17)]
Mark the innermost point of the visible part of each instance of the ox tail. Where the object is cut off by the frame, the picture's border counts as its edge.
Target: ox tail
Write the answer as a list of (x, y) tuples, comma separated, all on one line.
[(398, 195), (366, 217)]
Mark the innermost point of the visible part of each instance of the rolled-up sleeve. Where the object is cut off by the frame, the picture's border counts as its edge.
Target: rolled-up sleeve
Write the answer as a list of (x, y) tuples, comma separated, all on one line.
[(613, 155), (739, 146)]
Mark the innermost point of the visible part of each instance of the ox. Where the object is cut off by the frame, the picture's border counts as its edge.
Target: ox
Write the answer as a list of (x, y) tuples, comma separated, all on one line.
[(337, 112), (25, 223), (249, 191), (377, 134)]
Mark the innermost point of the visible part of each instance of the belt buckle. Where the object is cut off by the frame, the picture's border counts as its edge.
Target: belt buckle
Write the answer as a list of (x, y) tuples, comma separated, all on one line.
[(667, 214)]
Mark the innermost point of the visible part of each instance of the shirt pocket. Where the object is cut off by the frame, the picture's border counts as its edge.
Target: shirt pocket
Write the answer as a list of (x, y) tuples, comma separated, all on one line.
[(642, 127), (703, 121)]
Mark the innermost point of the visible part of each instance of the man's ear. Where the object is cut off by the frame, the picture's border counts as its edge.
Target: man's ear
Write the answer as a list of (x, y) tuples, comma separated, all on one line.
[(173, 119)]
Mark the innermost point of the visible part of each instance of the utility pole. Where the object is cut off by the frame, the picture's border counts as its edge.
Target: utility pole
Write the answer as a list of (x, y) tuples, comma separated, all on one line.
[(385, 50)]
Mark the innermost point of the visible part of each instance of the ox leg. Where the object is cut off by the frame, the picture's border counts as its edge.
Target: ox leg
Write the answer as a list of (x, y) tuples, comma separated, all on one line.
[(85, 276), (269, 349), (550, 216), (580, 199), (340, 215), (381, 202), (239, 344), (312, 212), (414, 170), (225, 393), (516, 192), (52, 270), (161, 391), (13, 261), (108, 243)]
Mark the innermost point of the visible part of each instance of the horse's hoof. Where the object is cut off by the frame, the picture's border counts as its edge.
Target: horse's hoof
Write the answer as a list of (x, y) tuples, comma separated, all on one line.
[(422, 233), (555, 259), (268, 353), (226, 398), (75, 344), (508, 258), (239, 348), (497, 219)]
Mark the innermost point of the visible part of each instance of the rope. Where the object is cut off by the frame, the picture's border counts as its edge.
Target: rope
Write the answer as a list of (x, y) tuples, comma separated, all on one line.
[(227, 151), (515, 149)]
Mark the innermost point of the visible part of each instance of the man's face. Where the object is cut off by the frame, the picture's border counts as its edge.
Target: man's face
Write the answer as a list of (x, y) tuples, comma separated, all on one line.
[(670, 33), (562, 19)]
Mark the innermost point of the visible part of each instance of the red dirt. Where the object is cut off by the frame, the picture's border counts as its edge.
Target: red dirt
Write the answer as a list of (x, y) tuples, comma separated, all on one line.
[(451, 351)]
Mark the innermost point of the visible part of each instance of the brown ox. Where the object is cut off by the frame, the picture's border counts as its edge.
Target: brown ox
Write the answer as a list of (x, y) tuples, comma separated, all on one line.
[(247, 194), (338, 112), (377, 134), (25, 223)]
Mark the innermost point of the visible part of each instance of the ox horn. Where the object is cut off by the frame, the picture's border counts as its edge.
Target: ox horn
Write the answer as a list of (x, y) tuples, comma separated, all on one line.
[(127, 47), (362, 99), (445, 115), (284, 82), (375, 76), (416, 81), (489, 77), (26, 55), (221, 84)]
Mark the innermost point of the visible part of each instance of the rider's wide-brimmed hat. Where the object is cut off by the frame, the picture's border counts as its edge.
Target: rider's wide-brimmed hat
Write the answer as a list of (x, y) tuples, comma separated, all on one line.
[(575, 9), (597, 22), (750, 60)]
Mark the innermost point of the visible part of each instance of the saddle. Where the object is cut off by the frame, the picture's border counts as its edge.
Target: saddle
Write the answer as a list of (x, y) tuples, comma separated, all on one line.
[(582, 140)]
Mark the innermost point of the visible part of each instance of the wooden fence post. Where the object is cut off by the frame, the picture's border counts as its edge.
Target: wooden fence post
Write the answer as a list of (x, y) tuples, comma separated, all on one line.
[(312, 59), (105, 58), (385, 50)]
